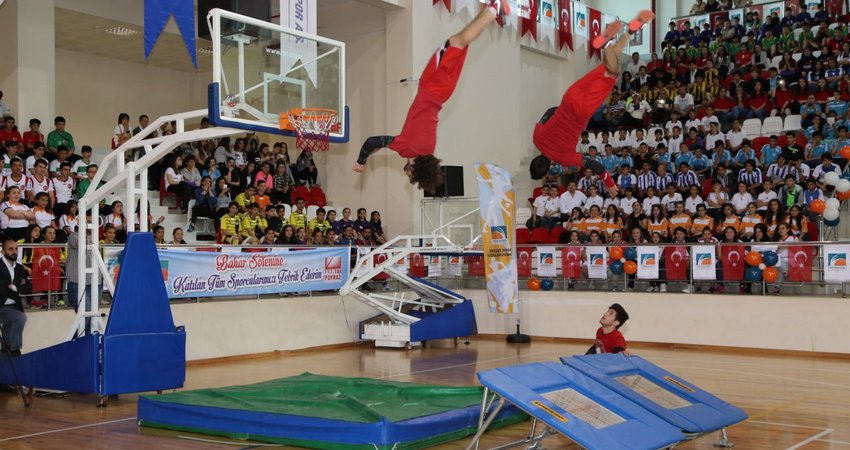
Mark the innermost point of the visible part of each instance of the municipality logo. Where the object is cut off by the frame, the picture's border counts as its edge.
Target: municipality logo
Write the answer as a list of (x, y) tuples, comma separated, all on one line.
[(333, 268), (837, 259), (647, 259), (499, 233), (547, 258), (703, 259), (596, 259)]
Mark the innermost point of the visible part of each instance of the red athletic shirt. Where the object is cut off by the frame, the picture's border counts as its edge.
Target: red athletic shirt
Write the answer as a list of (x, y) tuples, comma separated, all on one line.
[(419, 134), (606, 343), (13, 135), (31, 138)]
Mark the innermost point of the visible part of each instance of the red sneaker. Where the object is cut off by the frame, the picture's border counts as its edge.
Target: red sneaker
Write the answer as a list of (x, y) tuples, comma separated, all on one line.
[(39, 304), (610, 33), (643, 18)]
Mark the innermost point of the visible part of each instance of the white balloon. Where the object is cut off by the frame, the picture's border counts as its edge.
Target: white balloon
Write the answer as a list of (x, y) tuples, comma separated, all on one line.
[(842, 185), (833, 203), (831, 178), (830, 214)]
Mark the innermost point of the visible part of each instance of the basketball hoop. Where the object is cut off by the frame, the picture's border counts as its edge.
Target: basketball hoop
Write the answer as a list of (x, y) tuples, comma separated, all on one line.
[(312, 127)]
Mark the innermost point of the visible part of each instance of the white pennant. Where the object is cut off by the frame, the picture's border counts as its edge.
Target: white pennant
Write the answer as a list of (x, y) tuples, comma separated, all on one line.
[(468, 5), (545, 33)]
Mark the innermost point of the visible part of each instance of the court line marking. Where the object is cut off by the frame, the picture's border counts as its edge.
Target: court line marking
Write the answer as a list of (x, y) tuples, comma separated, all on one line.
[(811, 439), (777, 408), (791, 425), (66, 429), (831, 441), (778, 377), (743, 364)]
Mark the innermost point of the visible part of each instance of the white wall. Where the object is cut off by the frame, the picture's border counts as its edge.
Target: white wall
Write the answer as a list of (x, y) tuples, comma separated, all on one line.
[(781, 323), (227, 328), (91, 91)]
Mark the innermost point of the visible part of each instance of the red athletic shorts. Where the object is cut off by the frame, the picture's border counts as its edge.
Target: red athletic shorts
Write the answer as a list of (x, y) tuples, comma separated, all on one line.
[(559, 136), (438, 81)]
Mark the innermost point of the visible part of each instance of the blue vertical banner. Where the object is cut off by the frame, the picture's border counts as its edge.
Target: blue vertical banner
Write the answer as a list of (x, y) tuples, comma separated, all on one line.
[(157, 13), (498, 233)]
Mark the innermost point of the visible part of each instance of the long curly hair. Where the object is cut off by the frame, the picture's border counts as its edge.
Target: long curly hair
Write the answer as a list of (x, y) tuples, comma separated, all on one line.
[(427, 173)]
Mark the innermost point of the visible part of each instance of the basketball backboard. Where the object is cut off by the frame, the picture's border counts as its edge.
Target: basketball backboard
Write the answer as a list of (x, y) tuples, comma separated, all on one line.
[(261, 69)]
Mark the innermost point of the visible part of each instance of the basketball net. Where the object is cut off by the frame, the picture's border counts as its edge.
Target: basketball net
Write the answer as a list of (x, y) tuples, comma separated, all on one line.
[(313, 127)]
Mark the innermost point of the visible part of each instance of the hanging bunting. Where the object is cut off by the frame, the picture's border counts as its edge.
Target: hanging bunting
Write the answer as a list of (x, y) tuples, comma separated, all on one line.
[(580, 23), (565, 24), (546, 26), (448, 4), (530, 24), (465, 5), (157, 13)]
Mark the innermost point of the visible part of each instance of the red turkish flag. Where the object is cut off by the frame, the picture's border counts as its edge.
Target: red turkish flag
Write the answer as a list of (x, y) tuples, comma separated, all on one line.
[(800, 260), (680, 23), (376, 260), (717, 19), (759, 9), (46, 275), (676, 261), (448, 4), (733, 262), (793, 5), (594, 17), (417, 266), (834, 8), (571, 259), (530, 24), (475, 266), (565, 24), (523, 259)]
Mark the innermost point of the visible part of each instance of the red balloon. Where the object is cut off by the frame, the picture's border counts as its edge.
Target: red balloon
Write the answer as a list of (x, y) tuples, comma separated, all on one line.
[(842, 195), (817, 206), (534, 284), (770, 274), (845, 152), (616, 253), (753, 258), (630, 267)]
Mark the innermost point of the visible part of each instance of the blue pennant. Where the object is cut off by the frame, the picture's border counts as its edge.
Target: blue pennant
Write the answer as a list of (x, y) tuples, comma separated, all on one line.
[(157, 13)]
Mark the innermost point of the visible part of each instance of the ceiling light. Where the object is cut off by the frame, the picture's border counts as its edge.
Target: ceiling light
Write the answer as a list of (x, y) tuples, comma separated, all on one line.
[(205, 50), (121, 31)]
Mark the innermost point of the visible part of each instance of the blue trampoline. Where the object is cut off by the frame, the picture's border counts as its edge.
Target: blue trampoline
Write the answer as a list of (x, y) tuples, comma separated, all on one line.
[(570, 403), (683, 405)]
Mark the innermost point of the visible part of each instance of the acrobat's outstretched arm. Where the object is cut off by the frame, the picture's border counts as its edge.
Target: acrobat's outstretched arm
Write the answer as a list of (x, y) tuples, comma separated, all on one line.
[(371, 145)]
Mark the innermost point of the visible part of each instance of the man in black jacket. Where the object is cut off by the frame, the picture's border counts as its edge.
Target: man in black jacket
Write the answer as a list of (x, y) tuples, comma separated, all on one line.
[(13, 280)]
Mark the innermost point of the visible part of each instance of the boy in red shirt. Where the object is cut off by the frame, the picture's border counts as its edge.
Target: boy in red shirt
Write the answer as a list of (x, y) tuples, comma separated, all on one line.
[(418, 137), (557, 133), (608, 336)]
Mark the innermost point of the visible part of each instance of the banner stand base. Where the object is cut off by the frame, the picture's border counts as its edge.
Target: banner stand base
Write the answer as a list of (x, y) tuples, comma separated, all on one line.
[(518, 338)]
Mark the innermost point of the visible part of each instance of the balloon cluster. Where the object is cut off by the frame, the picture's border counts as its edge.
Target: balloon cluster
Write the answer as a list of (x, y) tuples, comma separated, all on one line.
[(535, 285), (556, 169), (830, 209), (762, 266), (623, 260)]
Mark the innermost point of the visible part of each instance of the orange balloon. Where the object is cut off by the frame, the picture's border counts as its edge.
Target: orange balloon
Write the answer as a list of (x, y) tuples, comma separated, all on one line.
[(616, 253), (630, 267), (534, 284), (770, 274), (845, 152), (843, 195), (817, 206), (753, 258)]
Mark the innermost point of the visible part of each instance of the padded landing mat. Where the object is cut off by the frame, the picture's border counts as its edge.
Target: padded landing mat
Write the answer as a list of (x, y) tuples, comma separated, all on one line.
[(325, 412)]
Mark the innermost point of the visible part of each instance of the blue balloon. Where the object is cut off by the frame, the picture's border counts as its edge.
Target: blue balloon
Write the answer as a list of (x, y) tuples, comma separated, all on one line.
[(556, 169), (617, 268), (752, 274), (770, 258), (547, 284), (832, 223), (630, 254)]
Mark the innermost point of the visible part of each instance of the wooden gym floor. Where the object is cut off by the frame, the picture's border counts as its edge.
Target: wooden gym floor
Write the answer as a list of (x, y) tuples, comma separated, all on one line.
[(793, 402)]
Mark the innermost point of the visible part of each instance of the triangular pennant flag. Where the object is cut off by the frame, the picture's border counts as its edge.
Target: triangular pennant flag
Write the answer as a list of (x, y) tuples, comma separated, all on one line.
[(530, 24), (448, 4), (565, 24), (467, 5), (157, 13), (595, 29)]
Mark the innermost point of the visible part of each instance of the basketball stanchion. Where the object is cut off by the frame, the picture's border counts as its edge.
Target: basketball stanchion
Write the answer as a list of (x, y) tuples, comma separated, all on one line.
[(8, 352)]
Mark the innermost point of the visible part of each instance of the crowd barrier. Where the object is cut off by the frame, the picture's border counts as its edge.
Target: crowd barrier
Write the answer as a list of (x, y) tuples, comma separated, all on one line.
[(803, 267)]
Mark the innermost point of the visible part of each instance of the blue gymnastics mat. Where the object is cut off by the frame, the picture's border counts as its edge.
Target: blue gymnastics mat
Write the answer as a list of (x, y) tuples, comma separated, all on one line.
[(579, 407), (683, 405), (325, 412)]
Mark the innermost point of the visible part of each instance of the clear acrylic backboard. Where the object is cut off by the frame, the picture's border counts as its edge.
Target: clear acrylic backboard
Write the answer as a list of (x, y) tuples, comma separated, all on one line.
[(261, 70)]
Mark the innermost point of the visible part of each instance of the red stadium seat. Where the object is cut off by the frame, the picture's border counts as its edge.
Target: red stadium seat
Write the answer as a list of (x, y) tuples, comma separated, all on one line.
[(522, 236), (758, 143), (301, 192), (538, 191), (317, 197), (539, 236), (555, 235), (164, 193)]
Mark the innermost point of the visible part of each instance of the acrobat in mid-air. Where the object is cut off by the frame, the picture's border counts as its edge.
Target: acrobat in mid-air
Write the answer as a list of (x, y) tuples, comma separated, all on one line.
[(418, 137), (557, 133)]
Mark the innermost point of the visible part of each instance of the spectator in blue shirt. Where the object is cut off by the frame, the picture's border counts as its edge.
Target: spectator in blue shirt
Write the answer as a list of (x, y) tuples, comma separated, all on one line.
[(699, 162), (684, 157), (815, 150), (841, 141), (626, 158), (809, 110), (662, 157), (770, 152), (672, 37), (803, 16), (610, 160), (833, 74), (837, 105), (746, 153), (821, 16), (721, 155), (815, 127)]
